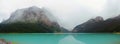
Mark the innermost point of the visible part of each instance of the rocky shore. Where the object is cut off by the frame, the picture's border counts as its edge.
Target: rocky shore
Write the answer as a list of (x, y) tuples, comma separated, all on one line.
[(2, 41)]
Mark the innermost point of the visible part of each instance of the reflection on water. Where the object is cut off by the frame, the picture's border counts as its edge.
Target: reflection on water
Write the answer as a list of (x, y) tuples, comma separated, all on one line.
[(33, 38), (61, 38), (98, 38), (70, 40)]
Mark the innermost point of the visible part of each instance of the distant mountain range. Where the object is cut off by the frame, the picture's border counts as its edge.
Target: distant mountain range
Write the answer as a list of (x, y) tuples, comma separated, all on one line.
[(98, 25), (32, 19)]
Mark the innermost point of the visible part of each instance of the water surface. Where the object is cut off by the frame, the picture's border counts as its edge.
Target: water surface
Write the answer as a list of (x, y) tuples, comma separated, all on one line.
[(80, 38)]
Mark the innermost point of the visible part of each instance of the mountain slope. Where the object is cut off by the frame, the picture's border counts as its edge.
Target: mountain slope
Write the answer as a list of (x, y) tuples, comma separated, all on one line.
[(32, 19), (98, 25)]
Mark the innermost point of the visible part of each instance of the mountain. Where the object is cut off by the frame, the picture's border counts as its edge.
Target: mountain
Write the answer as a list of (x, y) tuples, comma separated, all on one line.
[(98, 25), (32, 19), (31, 15), (65, 30)]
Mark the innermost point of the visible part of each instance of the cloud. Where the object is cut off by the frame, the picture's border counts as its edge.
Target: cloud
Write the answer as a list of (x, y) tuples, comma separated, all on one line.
[(69, 12)]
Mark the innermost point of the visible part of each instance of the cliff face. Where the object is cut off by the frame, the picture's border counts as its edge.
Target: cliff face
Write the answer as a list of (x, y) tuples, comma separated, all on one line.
[(30, 15), (32, 18), (98, 25)]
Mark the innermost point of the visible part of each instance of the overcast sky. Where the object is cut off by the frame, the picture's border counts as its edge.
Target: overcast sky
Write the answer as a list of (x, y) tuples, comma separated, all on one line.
[(69, 12)]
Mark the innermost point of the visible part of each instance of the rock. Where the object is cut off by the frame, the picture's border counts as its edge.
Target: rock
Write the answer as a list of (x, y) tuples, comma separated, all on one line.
[(98, 25), (32, 19), (2, 41), (30, 15)]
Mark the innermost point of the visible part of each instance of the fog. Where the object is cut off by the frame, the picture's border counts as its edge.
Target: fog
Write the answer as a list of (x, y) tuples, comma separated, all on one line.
[(69, 13)]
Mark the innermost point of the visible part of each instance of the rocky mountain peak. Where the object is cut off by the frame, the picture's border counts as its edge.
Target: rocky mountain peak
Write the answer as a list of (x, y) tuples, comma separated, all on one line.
[(96, 19), (30, 15), (99, 18)]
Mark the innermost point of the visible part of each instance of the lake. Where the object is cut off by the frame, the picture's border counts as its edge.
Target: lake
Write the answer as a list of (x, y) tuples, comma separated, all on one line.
[(50, 38)]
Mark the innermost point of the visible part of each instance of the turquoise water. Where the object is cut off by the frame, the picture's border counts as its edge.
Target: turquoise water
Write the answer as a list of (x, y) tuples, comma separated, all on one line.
[(36, 38)]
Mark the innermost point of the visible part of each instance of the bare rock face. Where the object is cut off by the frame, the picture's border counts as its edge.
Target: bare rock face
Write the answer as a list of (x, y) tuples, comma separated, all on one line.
[(97, 19), (31, 15), (98, 25), (31, 20), (89, 25)]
